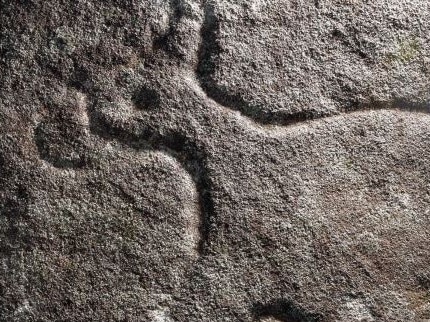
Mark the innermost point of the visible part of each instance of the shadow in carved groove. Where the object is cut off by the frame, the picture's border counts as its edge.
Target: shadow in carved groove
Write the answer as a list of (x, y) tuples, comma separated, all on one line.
[(181, 148), (166, 41), (193, 158), (208, 59), (42, 139), (58, 142), (285, 311)]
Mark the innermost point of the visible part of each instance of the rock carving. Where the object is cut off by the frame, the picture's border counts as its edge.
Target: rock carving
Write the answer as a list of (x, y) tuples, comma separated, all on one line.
[(92, 115)]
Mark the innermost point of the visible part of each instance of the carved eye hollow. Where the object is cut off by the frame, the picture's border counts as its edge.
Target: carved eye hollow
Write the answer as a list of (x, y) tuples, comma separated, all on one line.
[(146, 99)]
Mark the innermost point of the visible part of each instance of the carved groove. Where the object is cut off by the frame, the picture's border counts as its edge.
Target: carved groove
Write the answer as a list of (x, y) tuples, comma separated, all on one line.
[(208, 58), (207, 61), (174, 144), (285, 311), (181, 148), (166, 41), (41, 138), (59, 134)]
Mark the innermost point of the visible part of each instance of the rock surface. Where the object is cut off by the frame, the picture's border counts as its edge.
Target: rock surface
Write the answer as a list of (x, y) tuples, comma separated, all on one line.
[(180, 160)]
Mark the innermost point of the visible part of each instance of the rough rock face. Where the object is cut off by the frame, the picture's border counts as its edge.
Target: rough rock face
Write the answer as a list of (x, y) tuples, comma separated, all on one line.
[(188, 160), (280, 60)]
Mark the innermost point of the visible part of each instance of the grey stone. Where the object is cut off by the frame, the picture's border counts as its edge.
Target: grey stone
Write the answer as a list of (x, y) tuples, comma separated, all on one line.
[(214, 160)]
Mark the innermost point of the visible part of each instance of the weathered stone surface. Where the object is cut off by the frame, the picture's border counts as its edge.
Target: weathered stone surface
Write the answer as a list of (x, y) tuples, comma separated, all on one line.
[(214, 160), (276, 60)]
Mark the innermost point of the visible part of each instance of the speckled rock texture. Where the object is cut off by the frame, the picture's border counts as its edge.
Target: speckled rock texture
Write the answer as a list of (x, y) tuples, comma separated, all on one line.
[(218, 160)]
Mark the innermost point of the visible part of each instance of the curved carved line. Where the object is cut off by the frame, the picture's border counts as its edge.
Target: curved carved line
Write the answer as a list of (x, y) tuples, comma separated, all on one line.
[(208, 57), (43, 146), (165, 40), (284, 310), (178, 147)]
